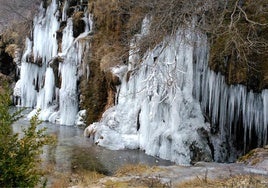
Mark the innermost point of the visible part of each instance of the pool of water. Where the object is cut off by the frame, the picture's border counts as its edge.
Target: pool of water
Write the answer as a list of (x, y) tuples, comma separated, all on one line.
[(74, 152)]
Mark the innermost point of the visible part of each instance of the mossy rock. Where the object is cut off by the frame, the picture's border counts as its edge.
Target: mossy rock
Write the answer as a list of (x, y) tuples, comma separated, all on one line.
[(255, 156)]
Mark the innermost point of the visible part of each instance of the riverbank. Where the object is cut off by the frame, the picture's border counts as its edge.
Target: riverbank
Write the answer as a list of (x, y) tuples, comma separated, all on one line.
[(245, 173), (233, 175)]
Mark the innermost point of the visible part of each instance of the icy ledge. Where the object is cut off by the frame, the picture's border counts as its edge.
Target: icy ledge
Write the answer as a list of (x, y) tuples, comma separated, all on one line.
[(155, 111)]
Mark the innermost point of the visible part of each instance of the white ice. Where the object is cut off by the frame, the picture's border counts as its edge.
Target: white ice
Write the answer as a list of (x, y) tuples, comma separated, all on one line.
[(156, 111), (36, 87)]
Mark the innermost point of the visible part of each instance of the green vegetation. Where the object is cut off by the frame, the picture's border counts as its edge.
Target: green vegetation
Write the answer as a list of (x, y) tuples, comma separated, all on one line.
[(20, 154)]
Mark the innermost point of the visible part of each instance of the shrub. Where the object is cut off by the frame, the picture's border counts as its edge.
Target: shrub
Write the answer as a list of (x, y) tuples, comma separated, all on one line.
[(20, 155)]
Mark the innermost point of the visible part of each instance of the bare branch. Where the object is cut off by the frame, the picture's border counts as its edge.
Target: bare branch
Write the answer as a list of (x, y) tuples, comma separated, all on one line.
[(251, 21)]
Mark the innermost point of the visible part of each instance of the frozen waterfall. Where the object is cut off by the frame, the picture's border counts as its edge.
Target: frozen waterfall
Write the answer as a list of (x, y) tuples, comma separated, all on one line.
[(171, 105), (44, 63), (231, 109), (156, 111)]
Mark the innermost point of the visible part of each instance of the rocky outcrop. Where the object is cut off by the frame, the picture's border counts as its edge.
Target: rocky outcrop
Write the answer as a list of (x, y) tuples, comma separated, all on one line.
[(256, 158)]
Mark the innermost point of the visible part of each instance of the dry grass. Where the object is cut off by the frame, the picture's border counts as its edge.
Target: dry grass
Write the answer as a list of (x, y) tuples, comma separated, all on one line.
[(254, 157), (80, 179), (124, 179), (141, 176), (135, 176), (139, 169), (137, 183), (11, 49), (236, 181), (126, 176)]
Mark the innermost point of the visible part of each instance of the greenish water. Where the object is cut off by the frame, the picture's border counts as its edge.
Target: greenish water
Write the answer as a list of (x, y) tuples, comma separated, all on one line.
[(73, 152)]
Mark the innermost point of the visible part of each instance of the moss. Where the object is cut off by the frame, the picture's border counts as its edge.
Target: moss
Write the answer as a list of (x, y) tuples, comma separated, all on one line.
[(255, 161), (110, 46), (94, 93), (117, 184)]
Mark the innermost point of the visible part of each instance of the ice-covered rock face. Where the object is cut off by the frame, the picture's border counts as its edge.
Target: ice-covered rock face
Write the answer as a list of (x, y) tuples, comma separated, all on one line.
[(155, 111), (238, 116), (37, 85)]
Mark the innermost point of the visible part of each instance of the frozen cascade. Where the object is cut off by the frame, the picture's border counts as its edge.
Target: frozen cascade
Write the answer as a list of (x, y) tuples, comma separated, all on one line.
[(27, 91), (229, 106), (68, 70), (45, 26), (36, 87), (156, 111), (37, 55)]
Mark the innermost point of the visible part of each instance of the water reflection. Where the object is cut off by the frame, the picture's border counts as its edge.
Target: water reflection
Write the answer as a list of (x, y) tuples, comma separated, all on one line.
[(74, 152)]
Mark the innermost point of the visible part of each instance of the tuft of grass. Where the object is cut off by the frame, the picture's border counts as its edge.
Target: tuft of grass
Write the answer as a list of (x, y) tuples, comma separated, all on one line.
[(236, 181), (80, 179), (145, 182), (131, 169), (116, 184), (131, 175)]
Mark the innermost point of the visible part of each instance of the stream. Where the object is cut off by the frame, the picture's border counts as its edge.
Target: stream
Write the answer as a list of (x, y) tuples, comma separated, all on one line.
[(74, 152)]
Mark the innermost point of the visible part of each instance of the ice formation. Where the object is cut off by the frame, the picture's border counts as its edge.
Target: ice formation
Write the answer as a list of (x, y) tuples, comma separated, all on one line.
[(228, 106), (36, 87), (161, 102), (155, 109)]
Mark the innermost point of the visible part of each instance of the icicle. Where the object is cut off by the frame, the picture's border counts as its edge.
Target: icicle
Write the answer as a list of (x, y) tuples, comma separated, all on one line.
[(64, 10), (44, 34), (36, 87), (227, 105), (155, 108), (28, 82)]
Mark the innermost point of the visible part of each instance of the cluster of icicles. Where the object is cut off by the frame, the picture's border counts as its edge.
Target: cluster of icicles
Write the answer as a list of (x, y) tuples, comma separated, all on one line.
[(227, 106), (37, 84)]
